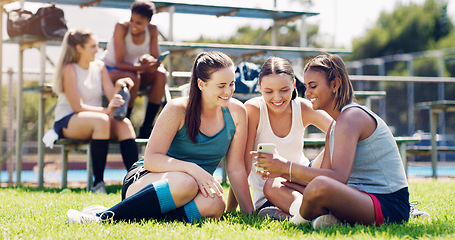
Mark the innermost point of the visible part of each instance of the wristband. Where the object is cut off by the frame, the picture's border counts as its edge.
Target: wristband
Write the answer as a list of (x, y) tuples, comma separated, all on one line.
[(290, 172)]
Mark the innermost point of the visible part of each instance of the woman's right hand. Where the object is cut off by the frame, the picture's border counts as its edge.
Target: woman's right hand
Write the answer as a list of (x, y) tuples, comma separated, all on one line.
[(208, 185)]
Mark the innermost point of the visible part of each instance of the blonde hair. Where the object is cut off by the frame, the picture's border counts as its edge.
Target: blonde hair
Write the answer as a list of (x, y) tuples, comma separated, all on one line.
[(332, 67), (69, 54)]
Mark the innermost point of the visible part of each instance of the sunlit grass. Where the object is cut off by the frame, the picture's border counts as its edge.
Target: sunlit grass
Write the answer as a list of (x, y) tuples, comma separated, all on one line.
[(41, 214)]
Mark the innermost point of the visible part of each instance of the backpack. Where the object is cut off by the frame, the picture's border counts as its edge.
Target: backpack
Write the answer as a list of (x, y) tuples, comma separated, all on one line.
[(247, 77)]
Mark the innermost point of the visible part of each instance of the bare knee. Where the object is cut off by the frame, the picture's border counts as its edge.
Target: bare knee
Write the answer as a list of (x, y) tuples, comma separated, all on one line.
[(101, 126), (182, 186), (318, 189), (210, 207)]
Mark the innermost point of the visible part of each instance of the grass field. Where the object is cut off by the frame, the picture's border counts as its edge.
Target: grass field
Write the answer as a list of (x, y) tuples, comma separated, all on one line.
[(32, 213)]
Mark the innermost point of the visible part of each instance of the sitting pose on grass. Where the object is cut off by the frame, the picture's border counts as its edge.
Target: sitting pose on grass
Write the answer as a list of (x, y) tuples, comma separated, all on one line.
[(80, 82), (132, 52), (174, 179), (278, 117), (361, 179)]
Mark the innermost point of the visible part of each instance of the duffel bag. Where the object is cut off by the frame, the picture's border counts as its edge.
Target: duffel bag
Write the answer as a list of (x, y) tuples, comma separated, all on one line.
[(48, 22), (17, 23)]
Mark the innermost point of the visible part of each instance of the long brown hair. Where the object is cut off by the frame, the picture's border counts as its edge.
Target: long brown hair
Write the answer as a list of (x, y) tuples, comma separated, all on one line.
[(332, 66), (205, 64)]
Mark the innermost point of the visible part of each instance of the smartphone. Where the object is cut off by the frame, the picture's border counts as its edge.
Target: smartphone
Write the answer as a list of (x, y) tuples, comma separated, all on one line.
[(162, 56), (265, 148)]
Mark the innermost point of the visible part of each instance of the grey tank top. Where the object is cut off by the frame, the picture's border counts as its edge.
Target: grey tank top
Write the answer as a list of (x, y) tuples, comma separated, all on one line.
[(377, 167)]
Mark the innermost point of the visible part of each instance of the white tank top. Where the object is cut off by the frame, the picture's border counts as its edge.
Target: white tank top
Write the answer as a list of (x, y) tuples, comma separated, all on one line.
[(289, 147), (89, 86), (132, 51)]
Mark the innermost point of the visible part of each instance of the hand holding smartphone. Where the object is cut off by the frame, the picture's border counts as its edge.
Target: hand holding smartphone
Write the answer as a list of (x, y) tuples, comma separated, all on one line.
[(265, 148)]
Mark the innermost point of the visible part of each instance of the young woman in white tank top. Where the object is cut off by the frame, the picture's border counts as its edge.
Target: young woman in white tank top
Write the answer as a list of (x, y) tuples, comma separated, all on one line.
[(80, 83), (133, 52), (278, 117)]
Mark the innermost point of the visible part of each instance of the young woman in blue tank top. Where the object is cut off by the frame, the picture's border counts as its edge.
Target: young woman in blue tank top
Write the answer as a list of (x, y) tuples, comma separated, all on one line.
[(175, 178), (361, 179), (280, 117)]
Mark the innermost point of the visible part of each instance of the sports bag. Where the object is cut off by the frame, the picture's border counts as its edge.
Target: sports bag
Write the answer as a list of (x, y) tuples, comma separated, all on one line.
[(48, 22), (17, 22), (247, 77)]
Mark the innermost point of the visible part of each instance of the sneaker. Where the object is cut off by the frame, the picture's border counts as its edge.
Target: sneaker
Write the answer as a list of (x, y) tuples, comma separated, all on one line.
[(75, 216), (415, 212), (275, 213), (94, 209), (99, 188), (325, 221)]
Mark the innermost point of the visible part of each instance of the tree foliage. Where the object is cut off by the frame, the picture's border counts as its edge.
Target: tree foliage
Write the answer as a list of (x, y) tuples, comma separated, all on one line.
[(409, 28)]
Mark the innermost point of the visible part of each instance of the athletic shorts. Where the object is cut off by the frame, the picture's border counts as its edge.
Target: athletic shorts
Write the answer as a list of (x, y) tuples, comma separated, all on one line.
[(110, 68), (61, 124), (133, 174), (391, 208)]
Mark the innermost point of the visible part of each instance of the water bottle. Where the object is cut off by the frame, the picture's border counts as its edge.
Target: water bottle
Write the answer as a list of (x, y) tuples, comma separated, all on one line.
[(120, 112)]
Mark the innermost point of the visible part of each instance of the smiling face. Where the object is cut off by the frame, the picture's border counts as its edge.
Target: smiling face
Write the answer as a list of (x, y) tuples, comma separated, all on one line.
[(88, 50), (138, 23), (319, 90), (277, 91), (219, 88)]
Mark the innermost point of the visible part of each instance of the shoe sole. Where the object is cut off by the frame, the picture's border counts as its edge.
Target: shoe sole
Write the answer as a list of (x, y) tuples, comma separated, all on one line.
[(325, 221)]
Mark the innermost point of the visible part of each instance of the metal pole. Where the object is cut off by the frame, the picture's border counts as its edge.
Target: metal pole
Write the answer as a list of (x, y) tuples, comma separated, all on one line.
[(411, 97), (41, 116), (19, 118), (382, 101), (170, 78), (1, 82), (303, 32), (10, 131)]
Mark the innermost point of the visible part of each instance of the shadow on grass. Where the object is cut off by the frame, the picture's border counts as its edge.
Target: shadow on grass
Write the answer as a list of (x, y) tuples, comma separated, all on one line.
[(109, 189), (412, 229)]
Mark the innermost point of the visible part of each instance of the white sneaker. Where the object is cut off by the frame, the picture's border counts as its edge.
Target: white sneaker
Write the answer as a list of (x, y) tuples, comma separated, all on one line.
[(94, 209), (415, 212), (325, 221), (75, 216), (99, 188)]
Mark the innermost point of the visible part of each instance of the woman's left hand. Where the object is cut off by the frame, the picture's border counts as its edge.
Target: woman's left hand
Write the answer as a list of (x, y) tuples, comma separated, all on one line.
[(116, 101), (272, 165)]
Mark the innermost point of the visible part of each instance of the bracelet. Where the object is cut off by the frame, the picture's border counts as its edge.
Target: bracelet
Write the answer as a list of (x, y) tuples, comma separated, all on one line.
[(290, 172)]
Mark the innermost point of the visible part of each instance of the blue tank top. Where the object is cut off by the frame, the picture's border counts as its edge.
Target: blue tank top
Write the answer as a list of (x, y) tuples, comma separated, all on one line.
[(208, 151)]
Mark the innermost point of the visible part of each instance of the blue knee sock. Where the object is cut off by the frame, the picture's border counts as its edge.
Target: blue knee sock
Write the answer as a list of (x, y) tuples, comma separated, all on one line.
[(188, 213), (150, 202)]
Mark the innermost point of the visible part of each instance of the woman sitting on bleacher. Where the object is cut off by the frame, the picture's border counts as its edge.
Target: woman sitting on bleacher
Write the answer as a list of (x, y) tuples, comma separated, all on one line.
[(80, 83)]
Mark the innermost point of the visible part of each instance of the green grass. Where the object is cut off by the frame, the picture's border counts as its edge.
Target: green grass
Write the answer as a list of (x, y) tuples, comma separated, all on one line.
[(40, 213)]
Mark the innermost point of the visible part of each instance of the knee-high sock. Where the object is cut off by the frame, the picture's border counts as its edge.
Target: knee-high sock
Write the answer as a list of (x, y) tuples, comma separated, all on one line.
[(128, 149), (150, 202), (150, 114), (189, 213), (98, 152), (128, 112)]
